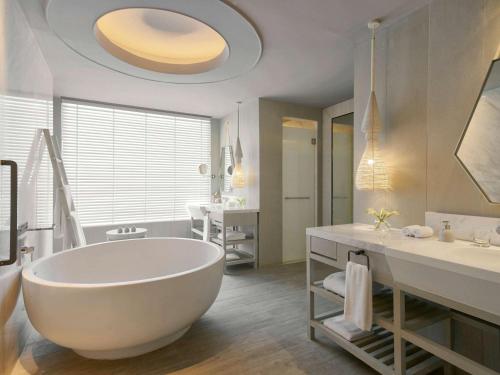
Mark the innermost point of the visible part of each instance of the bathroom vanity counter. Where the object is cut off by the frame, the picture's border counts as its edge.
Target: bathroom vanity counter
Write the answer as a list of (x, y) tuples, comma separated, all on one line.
[(452, 281), (234, 210), (219, 207), (461, 257)]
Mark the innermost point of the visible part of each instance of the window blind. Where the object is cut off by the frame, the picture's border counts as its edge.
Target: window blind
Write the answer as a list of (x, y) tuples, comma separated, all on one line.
[(20, 117), (131, 165)]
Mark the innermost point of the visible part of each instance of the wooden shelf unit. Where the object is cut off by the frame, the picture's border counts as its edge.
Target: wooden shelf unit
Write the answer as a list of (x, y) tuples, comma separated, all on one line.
[(227, 219)]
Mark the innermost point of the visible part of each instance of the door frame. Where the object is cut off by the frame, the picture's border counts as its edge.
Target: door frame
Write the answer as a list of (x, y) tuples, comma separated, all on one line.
[(329, 113)]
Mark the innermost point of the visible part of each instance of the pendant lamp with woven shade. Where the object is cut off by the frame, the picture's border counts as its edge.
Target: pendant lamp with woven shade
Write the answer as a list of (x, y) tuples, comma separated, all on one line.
[(238, 178), (372, 172)]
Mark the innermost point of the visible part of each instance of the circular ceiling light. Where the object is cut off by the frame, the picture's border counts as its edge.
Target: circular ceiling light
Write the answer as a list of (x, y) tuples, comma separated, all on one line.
[(162, 40)]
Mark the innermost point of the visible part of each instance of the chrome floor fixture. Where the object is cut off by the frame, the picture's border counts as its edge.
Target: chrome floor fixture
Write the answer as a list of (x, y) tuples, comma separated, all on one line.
[(372, 172)]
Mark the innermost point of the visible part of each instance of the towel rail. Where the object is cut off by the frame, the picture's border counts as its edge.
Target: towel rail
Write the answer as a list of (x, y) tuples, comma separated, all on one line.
[(359, 252), (13, 212)]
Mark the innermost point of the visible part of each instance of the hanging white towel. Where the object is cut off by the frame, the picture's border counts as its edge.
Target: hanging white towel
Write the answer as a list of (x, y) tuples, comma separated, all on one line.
[(344, 328), (358, 307), (335, 283), (206, 228)]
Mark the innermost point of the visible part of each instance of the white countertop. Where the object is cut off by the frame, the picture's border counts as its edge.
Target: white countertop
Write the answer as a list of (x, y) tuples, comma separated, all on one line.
[(235, 210), (460, 256)]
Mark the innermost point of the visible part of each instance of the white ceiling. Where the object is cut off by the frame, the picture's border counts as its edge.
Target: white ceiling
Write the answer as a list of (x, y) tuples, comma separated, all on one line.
[(307, 58)]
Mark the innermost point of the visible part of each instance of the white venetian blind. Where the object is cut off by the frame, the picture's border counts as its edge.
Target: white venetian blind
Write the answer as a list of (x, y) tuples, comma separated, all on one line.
[(20, 117), (128, 165)]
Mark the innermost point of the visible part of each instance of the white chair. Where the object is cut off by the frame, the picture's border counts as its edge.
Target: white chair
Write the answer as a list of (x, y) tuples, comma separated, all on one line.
[(200, 224)]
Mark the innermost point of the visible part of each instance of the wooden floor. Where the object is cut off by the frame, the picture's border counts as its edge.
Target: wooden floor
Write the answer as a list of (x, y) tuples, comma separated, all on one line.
[(256, 326)]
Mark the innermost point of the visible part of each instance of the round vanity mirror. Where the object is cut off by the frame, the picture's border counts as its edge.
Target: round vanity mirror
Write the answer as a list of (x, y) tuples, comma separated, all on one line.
[(203, 169)]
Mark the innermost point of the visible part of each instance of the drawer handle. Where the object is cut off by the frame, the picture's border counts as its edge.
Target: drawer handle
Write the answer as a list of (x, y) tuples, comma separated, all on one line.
[(359, 252)]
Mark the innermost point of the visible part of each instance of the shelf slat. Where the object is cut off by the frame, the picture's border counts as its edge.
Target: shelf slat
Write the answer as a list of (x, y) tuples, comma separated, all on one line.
[(353, 349), (244, 257), (447, 354), (218, 241)]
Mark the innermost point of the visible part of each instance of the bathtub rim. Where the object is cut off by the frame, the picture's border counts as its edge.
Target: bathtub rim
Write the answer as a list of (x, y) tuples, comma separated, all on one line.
[(29, 275)]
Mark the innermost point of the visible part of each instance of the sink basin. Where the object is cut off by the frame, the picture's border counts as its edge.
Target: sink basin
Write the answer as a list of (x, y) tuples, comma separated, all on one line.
[(477, 256), (461, 272)]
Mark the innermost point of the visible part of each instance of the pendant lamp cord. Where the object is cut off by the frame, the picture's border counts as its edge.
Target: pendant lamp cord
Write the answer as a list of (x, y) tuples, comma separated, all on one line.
[(372, 87), (372, 82), (239, 119)]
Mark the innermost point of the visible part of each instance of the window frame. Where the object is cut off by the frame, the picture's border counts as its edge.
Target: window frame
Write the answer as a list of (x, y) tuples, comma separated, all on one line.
[(145, 111)]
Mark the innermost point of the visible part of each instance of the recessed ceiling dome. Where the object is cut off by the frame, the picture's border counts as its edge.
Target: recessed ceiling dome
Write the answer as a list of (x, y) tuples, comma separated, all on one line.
[(161, 40), (194, 41)]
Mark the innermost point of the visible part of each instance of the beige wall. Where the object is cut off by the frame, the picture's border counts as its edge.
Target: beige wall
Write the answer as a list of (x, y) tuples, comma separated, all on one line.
[(249, 138), (24, 73), (271, 114), (261, 141), (430, 68)]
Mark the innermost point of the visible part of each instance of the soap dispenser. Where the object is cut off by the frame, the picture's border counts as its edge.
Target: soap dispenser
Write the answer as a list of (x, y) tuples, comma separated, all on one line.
[(446, 234)]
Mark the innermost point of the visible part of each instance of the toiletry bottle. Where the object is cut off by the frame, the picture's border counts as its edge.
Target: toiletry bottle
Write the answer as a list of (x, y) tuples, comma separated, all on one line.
[(446, 234)]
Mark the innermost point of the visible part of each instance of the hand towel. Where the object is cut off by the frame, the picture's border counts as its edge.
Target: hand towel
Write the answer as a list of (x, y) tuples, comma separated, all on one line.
[(409, 230), (358, 307), (335, 283), (344, 328), (417, 231), (233, 235), (423, 232), (206, 228)]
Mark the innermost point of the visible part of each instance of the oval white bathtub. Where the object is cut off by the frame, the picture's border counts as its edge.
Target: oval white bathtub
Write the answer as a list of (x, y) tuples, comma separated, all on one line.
[(125, 298)]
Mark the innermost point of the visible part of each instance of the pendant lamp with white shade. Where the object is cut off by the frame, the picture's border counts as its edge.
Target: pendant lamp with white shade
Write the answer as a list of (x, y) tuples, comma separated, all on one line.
[(238, 178), (372, 172)]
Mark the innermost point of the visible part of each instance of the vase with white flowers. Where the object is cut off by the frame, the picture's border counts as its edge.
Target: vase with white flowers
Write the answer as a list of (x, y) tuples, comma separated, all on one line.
[(381, 217)]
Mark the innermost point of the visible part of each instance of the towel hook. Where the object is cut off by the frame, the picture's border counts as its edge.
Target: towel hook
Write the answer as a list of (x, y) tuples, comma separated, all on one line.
[(359, 252)]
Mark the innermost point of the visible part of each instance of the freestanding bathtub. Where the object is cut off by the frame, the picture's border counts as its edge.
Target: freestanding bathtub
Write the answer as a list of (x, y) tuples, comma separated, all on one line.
[(124, 298)]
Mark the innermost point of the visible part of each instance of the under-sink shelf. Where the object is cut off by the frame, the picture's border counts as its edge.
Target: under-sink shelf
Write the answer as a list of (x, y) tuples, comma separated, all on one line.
[(377, 351), (218, 241), (244, 257), (419, 313), (382, 304)]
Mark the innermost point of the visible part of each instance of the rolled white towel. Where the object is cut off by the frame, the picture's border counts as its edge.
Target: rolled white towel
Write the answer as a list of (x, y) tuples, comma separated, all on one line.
[(410, 230), (417, 231), (424, 232), (233, 235)]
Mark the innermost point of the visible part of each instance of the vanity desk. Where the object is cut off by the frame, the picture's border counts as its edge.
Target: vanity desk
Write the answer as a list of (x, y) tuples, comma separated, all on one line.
[(241, 250), (405, 316)]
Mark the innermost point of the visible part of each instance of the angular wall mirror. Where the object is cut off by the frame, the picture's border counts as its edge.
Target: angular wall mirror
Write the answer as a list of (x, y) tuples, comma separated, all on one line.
[(479, 148)]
